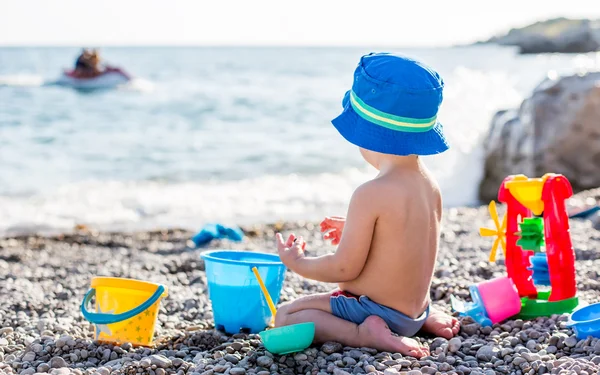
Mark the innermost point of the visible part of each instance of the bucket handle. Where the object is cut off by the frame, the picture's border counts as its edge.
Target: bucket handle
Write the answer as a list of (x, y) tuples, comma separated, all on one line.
[(103, 318)]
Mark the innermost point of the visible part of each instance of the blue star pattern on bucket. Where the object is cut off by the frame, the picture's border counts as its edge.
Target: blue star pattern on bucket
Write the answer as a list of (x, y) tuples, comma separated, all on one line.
[(392, 107)]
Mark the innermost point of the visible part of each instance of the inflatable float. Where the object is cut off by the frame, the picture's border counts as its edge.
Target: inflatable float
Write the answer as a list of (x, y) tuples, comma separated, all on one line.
[(109, 78)]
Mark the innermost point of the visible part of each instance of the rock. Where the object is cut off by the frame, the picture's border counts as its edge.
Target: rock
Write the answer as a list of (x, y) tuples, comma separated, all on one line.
[(160, 361), (237, 371), (555, 130), (28, 357), (58, 362), (331, 347), (531, 357), (486, 353), (570, 341), (28, 371), (390, 371), (300, 357), (338, 371), (454, 344), (470, 329), (264, 361), (43, 367), (3, 341), (231, 359), (558, 35), (349, 361), (103, 371)]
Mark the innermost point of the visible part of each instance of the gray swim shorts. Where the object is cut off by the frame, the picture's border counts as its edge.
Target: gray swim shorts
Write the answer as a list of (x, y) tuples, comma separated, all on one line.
[(356, 309)]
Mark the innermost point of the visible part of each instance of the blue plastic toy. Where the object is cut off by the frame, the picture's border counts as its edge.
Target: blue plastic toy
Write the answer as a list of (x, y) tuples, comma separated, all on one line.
[(539, 268), (586, 321), (217, 231), (237, 300), (475, 309)]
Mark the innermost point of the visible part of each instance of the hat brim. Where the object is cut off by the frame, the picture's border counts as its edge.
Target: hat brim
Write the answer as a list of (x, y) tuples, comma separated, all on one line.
[(367, 135)]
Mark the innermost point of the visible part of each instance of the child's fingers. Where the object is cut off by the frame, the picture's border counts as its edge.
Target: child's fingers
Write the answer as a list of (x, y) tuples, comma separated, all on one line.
[(279, 241), (290, 240)]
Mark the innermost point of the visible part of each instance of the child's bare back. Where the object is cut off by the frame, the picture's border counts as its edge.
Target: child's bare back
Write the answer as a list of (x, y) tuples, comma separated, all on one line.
[(403, 251)]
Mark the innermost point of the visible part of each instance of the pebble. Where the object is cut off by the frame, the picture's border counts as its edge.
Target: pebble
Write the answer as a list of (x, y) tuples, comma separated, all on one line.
[(331, 347), (159, 361), (454, 344), (570, 341), (29, 357), (486, 353), (41, 333), (58, 362), (264, 361)]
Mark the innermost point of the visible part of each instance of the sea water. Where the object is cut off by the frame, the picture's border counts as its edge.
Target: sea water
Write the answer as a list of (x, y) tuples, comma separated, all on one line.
[(232, 135)]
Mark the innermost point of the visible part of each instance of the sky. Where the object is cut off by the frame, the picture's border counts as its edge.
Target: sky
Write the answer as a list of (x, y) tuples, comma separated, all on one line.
[(400, 23)]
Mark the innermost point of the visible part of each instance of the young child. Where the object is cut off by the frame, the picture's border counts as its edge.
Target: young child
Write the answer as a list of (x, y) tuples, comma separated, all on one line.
[(388, 244)]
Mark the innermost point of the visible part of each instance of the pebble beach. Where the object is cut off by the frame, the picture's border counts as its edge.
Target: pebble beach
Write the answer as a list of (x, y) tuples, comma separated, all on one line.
[(43, 280)]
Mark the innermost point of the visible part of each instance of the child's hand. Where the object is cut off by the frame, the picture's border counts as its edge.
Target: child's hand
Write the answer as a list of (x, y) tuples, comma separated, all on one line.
[(334, 227), (291, 250)]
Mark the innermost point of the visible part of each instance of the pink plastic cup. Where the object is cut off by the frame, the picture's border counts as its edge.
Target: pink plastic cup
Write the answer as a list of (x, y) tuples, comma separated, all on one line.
[(500, 298)]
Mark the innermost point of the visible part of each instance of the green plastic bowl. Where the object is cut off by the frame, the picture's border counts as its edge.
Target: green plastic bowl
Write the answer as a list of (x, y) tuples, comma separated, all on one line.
[(288, 339)]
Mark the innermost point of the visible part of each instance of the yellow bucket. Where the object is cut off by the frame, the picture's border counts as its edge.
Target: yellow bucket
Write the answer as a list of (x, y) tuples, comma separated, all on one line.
[(126, 309)]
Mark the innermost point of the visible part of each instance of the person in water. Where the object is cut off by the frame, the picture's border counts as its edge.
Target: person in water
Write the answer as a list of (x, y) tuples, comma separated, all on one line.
[(87, 64), (388, 244)]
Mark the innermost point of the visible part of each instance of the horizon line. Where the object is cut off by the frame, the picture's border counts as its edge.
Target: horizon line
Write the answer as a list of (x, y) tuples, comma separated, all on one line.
[(91, 45)]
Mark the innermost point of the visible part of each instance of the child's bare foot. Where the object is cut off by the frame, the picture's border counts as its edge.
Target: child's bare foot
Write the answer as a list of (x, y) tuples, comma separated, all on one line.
[(440, 324), (376, 334)]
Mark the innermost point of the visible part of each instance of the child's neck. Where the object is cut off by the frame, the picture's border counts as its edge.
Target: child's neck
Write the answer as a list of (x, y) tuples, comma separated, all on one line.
[(391, 163)]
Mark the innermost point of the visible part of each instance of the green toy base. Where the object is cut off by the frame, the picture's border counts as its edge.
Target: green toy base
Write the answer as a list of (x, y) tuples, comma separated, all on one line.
[(533, 308)]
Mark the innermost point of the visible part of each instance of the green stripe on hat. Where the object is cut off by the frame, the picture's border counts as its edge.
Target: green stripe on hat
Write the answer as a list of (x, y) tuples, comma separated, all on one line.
[(393, 122)]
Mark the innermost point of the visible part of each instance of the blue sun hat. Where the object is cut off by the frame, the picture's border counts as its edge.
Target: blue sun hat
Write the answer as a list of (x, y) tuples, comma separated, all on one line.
[(392, 107)]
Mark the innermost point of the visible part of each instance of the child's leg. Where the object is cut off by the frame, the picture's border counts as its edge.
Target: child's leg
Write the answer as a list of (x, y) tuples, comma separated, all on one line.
[(373, 332)]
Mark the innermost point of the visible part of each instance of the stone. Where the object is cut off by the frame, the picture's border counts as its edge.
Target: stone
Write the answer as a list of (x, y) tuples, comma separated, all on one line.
[(28, 371), (28, 357), (237, 371), (571, 341), (454, 344), (300, 357), (331, 347), (556, 35), (554, 130), (486, 353), (470, 329), (390, 371), (349, 361), (531, 357), (338, 371), (231, 359), (160, 361), (43, 367), (58, 362), (264, 361)]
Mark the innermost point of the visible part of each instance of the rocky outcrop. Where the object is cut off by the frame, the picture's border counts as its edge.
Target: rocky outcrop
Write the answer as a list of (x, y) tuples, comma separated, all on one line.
[(556, 130), (560, 35)]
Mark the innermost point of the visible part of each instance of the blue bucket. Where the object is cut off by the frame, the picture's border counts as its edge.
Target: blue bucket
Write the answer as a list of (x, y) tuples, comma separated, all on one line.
[(235, 295)]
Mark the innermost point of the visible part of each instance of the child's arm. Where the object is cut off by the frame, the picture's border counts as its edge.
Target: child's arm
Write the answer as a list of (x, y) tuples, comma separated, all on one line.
[(348, 261)]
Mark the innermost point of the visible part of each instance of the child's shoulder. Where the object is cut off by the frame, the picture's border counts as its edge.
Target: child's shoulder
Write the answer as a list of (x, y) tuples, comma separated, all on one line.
[(383, 189)]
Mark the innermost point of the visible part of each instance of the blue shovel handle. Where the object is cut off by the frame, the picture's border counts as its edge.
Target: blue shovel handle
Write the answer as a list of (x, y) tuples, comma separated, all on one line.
[(103, 318)]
